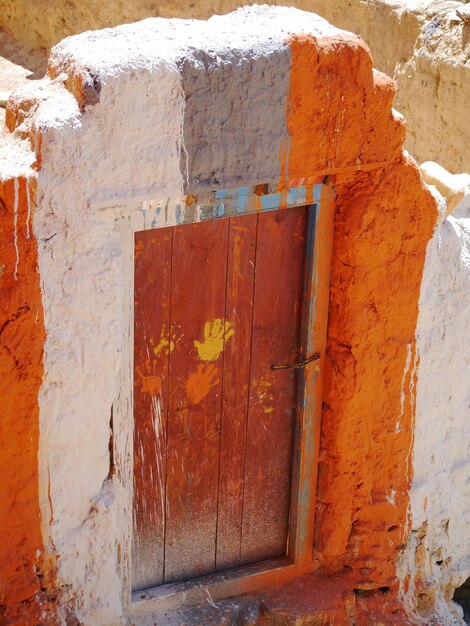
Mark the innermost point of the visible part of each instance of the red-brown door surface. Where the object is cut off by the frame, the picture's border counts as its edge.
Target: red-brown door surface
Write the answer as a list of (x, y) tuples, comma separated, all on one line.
[(217, 303)]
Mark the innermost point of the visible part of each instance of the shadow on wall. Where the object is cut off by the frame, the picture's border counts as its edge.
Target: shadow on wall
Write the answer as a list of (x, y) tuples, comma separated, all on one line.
[(33, 60), (462, 596)]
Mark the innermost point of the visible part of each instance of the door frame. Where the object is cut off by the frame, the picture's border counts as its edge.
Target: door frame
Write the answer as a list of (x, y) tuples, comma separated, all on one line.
[(318, 195)]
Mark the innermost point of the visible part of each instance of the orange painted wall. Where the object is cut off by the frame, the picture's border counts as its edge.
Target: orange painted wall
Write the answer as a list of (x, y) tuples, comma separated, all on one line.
[(24, 573), (384, 219)]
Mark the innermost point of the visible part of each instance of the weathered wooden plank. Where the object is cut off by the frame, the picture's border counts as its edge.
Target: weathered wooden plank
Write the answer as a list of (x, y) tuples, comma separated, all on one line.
[(218, 586), (237, 357), (313, 337), (280, 261), (198, 312), (151, 353)]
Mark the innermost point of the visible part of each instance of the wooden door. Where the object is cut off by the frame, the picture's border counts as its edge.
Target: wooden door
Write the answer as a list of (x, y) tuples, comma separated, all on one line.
[(217, 304)]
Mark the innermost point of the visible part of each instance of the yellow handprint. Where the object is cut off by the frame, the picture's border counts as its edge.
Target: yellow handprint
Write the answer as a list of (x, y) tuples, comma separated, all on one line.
[(216, 334), (262, 387), (167, 342)]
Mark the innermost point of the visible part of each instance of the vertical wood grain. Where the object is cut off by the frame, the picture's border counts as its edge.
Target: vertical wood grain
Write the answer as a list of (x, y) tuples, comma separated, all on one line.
[(237, 358), (198, 313), (216, 304), (280, 261), (152, 280)]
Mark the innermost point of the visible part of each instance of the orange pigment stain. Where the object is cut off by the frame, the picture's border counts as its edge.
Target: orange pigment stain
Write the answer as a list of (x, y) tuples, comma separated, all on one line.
[(22, 336), (200, 382), (149, 377), (339, 118)]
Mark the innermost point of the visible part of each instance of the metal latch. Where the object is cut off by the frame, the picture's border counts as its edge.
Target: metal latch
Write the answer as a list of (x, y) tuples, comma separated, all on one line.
[(297, 366)]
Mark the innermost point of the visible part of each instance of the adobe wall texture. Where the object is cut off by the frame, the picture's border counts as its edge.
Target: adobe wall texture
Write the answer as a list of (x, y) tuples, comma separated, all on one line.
[(437, 559), (422, 44), (26, 572), (112, 127)]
